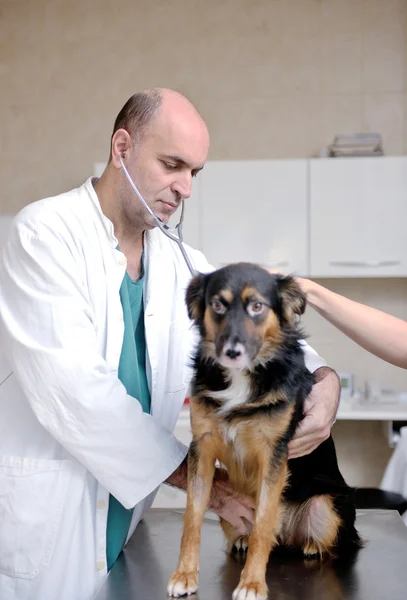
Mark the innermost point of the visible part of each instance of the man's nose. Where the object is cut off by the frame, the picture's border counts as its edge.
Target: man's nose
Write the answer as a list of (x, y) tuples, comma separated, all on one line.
[(183, 185)]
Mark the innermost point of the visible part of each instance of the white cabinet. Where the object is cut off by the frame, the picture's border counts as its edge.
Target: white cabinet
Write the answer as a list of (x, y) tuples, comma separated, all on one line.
[(317, 217), (255, 211), (358, 217)]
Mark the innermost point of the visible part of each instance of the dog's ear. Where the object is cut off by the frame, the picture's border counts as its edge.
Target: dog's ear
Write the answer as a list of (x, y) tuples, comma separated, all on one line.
[(293, 299), (195, 296)]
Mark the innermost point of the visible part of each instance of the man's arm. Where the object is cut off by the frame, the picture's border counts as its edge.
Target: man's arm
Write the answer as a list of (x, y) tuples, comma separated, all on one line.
[(179, 478), (48, 327), (320, 410)]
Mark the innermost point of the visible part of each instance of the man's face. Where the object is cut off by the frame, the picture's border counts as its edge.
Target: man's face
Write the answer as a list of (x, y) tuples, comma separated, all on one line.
[(163, 164)]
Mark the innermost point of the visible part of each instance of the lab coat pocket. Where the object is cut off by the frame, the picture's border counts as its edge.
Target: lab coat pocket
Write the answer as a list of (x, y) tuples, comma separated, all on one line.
[(32, 497)]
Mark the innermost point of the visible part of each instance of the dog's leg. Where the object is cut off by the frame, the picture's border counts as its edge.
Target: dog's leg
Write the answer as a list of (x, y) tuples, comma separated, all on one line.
[(320, 526), (201, 469), (271, 483), (312, 526)]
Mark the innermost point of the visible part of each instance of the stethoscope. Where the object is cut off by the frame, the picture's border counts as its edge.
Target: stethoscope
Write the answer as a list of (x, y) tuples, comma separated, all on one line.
[(178, 239)]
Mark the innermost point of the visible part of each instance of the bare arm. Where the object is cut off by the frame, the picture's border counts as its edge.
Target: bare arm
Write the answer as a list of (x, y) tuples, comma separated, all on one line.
[(376, 331), (179, 478)]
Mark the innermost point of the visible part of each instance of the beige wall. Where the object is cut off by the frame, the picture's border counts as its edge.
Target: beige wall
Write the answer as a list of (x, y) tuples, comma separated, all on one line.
[(273, 79)]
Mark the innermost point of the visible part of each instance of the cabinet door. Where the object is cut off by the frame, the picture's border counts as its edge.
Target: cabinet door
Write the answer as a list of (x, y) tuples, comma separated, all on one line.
[(358, 217), (255, 211)]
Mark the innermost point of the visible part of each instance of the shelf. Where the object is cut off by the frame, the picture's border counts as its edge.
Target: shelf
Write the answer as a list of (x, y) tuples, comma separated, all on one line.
[(372, 411)]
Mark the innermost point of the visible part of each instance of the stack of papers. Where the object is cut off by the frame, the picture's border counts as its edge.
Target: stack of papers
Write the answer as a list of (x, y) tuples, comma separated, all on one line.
[(358, 144)]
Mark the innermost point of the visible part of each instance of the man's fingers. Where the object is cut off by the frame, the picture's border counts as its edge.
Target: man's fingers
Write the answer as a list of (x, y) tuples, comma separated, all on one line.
[(239, 510), (300, 442), (247, 502), (304, 445), (240, 527), (313, 439), (247, 513), (303, 451), (307, 443), (249, 526), (311, 426), (306, 430)]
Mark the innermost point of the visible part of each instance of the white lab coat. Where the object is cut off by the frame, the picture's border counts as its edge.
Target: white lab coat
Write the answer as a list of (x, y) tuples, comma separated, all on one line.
[(69, 433)]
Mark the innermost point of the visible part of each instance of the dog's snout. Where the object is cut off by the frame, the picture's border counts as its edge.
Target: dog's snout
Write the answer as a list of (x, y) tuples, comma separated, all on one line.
[(233, 352), (234, 356)]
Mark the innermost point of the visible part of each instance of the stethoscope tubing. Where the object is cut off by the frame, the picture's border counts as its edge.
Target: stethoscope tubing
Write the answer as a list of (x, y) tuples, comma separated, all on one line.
[(178, 239)]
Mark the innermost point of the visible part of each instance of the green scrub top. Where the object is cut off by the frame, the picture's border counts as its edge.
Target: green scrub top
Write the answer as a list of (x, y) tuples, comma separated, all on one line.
[(132, 373)]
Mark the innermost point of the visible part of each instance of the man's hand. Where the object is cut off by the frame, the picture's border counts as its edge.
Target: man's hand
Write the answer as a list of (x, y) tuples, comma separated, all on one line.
[(320, 410), (235, 508)]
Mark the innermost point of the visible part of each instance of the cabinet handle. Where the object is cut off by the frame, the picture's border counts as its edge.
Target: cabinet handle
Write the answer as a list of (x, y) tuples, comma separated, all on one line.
[(368, 263), (269, 265), (273, 265)]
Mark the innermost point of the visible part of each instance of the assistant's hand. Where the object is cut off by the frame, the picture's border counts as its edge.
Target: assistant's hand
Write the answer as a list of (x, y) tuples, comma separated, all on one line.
[(235, 508), (320, 410)]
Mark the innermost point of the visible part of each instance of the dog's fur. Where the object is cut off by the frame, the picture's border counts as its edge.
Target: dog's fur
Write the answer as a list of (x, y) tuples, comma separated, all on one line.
[(250, 383)]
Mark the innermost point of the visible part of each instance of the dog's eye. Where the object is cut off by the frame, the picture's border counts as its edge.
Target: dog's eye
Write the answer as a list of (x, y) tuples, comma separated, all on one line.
[(218, 307), (255, 308)]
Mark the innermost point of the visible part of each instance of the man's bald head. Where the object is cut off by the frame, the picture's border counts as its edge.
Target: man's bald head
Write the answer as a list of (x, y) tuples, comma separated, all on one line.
[(140, 111), (163, 142), (173, 102)]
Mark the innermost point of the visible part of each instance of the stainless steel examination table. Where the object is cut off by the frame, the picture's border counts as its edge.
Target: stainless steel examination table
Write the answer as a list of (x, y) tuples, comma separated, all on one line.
[(379, 571)]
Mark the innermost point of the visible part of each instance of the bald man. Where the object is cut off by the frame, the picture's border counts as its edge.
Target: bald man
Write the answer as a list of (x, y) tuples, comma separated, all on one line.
[(98, 340)]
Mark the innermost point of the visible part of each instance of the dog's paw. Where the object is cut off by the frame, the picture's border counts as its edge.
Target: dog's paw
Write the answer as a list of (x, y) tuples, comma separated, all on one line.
[(311, 551), (250, 590), (241, 544), (182, 584)]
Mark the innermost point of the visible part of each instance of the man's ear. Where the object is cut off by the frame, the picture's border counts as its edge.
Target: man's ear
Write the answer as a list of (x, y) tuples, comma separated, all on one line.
[(293, 299), (195, 296)]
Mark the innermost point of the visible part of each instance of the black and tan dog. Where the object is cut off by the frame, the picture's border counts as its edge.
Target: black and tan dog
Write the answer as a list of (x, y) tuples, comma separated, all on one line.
[(250, 383)]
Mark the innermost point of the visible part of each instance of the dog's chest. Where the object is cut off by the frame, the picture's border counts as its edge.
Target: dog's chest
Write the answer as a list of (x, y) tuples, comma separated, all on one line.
[(237, 393)]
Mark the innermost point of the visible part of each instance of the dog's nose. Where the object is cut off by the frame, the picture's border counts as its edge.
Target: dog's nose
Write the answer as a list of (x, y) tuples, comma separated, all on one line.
[(233, 353)]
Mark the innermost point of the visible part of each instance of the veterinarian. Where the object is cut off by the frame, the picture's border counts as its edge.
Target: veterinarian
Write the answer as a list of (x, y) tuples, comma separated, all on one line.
[(97, 338), (377, 332)]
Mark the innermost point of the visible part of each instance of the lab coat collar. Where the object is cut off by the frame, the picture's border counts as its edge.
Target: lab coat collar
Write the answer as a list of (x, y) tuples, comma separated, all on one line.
[(107, 224), (154, 237)]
